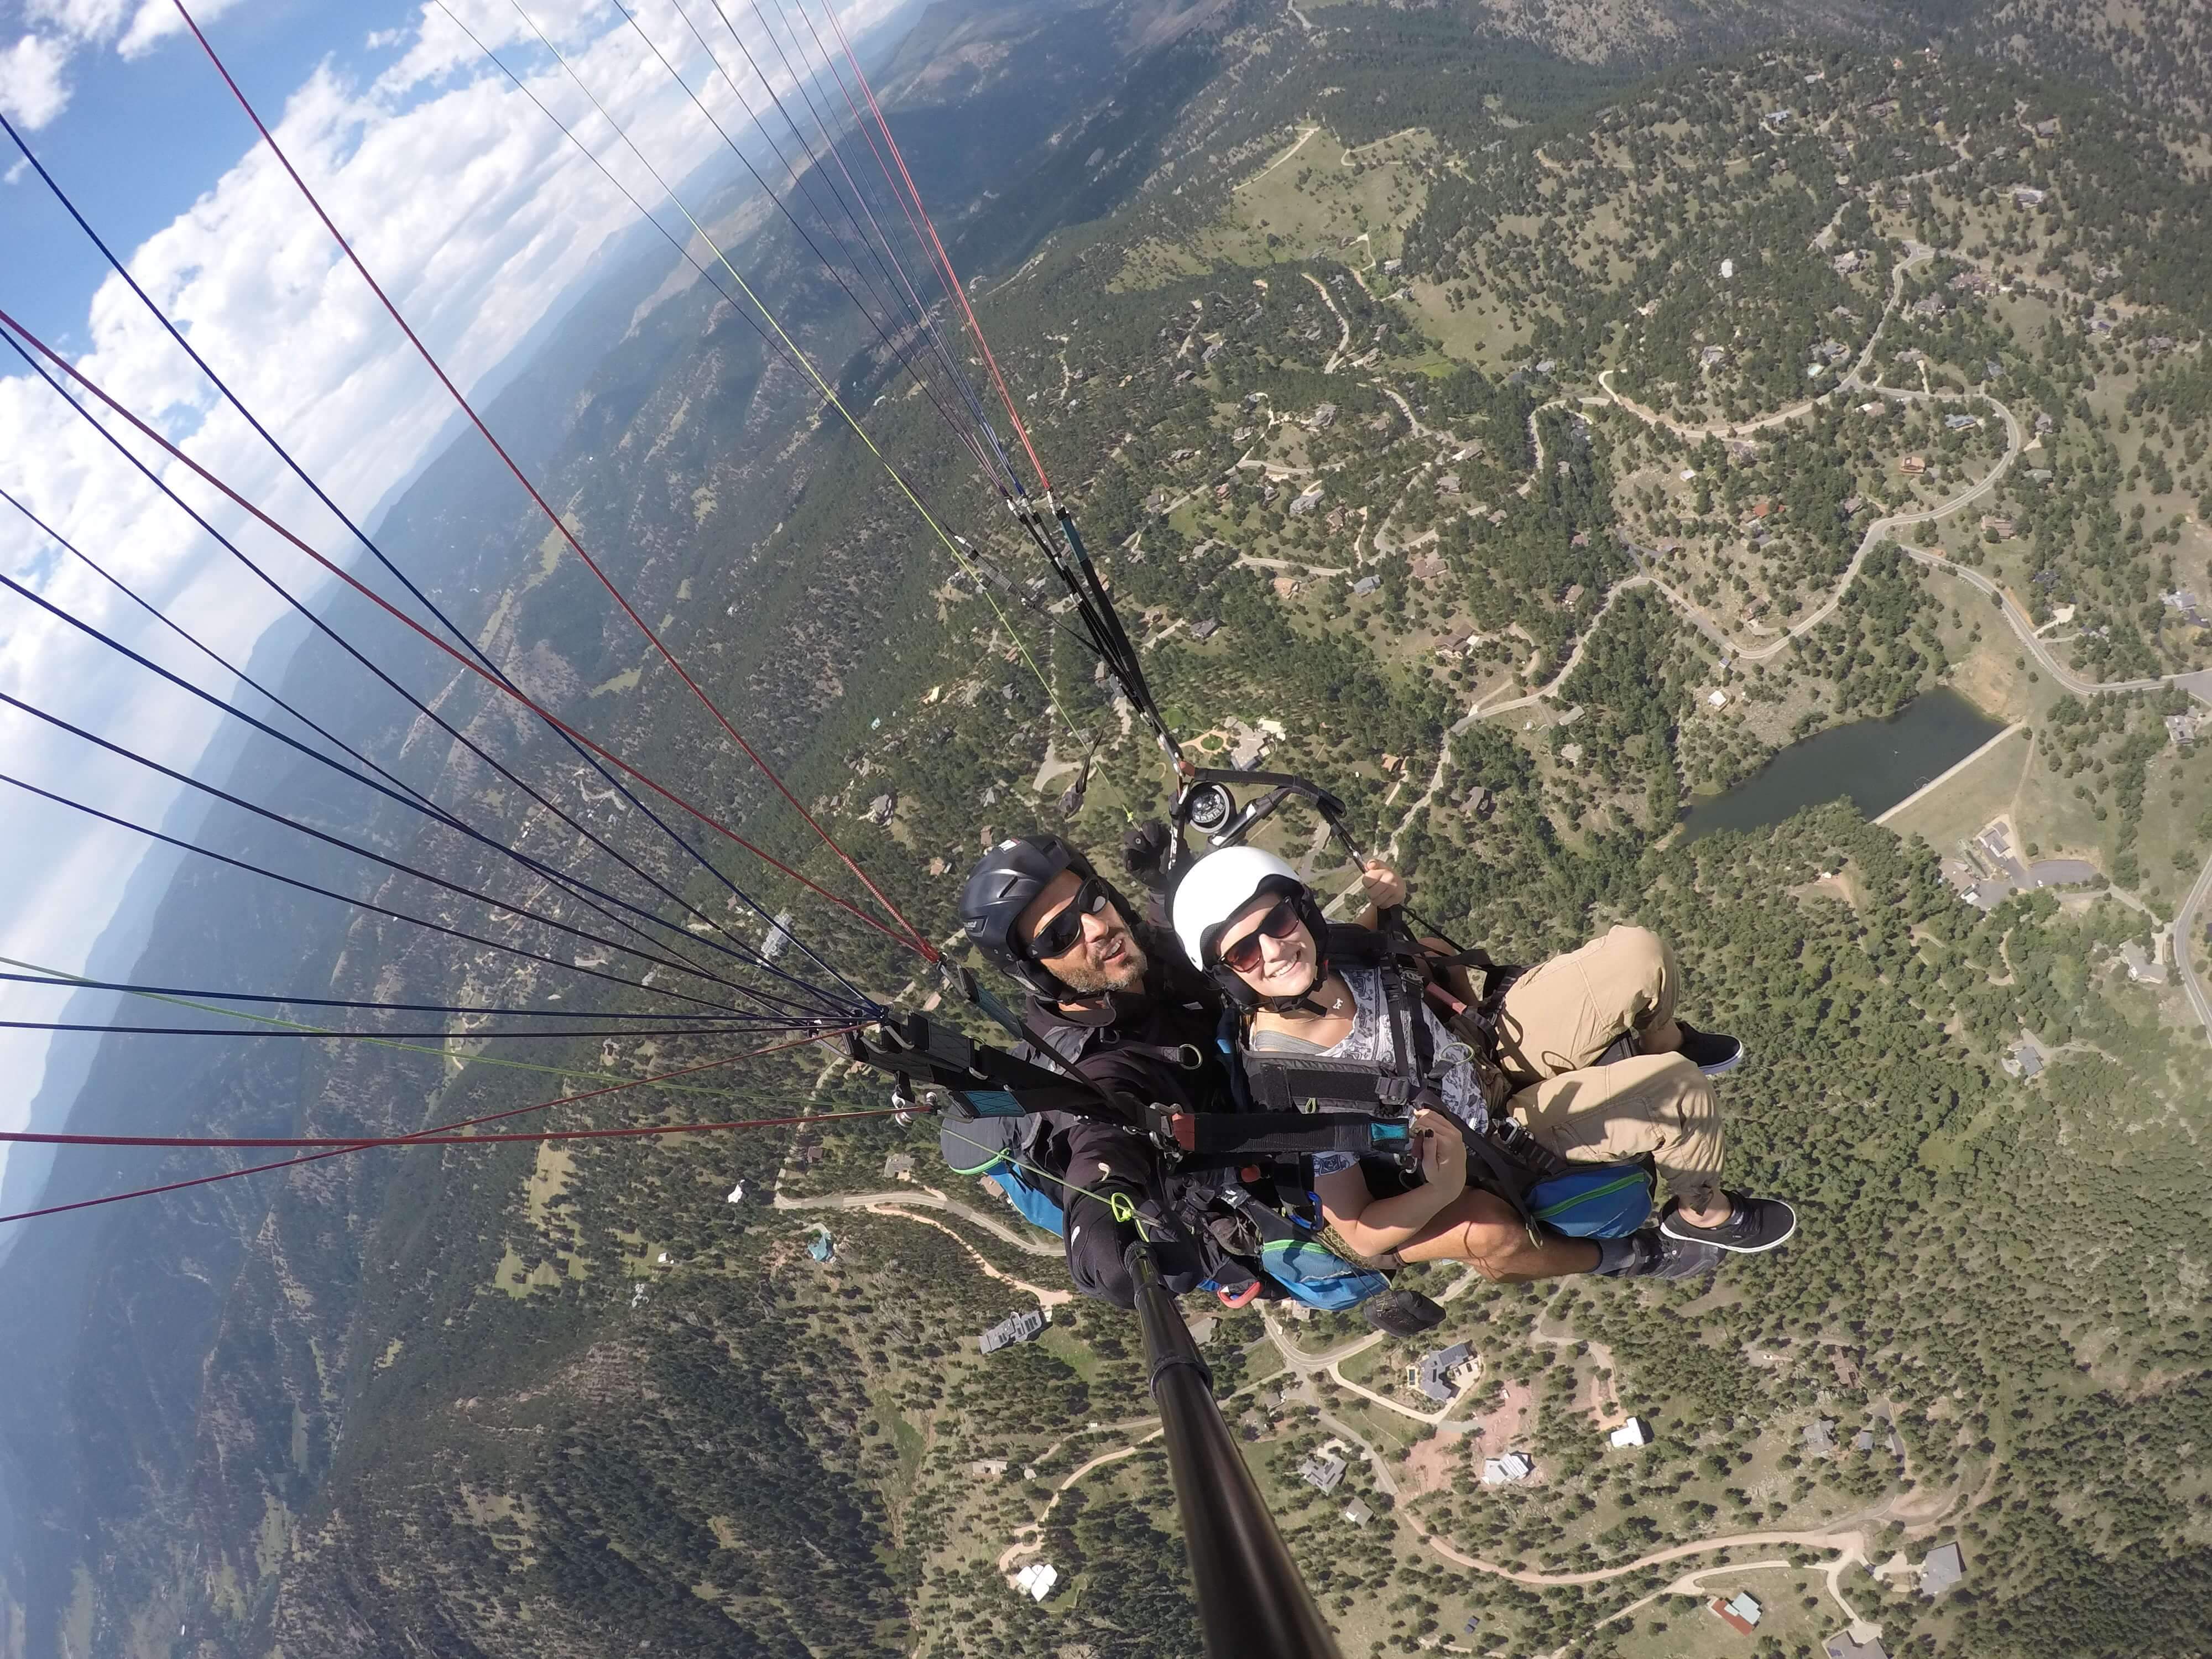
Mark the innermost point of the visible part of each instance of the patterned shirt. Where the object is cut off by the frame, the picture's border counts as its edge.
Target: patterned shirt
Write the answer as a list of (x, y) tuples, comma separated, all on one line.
[(1370, 1039)]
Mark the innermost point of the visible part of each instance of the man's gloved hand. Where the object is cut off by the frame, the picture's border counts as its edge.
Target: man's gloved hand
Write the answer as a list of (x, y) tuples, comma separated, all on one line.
[(1144, 851)]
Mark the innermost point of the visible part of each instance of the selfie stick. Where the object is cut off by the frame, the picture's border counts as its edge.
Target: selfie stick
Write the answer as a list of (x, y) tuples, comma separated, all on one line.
[(1251, 1600)]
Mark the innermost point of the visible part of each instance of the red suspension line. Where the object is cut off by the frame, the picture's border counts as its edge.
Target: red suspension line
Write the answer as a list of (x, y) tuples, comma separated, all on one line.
[(421, 1136), (914, 937), (952, 278), (469, 664)]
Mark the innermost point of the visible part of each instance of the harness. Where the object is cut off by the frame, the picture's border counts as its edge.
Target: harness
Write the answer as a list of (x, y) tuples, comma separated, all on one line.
[(1508, 1160)]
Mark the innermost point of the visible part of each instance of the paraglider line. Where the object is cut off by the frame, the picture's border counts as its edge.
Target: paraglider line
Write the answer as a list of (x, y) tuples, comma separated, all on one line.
[(919, 943), (431, 810), (387, 1042), (273, 817), (373, 908), (463, 1123), (1005, 397), (43, 976), (323, 627), (799, 360), (385, 606), (430, 604)]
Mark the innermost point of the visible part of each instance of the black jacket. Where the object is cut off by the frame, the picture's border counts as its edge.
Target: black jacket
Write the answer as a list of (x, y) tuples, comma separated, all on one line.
[(1160, 1045)]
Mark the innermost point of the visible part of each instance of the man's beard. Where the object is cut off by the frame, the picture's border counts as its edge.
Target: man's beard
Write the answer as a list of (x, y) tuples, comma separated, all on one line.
[(1124, 974)]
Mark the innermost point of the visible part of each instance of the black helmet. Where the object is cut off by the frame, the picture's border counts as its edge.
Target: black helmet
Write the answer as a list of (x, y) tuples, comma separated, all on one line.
[(1011, 875)]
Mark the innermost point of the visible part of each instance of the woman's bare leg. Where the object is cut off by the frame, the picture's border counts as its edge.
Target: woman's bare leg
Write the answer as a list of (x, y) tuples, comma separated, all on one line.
[(1482, 1228)]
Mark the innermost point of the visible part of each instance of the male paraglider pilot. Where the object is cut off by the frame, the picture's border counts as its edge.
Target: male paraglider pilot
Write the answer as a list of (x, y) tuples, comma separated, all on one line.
[(1115, 998)]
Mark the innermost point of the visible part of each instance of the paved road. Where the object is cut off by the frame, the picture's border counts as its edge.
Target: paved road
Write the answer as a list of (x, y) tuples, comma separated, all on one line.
[(2186, 921), (1344, 338)]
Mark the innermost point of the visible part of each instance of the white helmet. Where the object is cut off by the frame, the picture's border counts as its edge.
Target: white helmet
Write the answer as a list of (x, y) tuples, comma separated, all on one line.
[(1216, 887)]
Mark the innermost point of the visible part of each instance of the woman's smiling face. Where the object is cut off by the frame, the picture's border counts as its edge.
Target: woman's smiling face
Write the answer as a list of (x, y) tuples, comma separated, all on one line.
[(1287, 964)]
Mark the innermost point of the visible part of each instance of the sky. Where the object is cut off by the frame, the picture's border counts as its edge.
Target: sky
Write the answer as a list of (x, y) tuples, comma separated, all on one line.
[(474, 213)]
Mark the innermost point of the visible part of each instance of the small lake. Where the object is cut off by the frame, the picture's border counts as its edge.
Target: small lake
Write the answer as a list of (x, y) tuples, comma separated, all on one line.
[(1876, 764)]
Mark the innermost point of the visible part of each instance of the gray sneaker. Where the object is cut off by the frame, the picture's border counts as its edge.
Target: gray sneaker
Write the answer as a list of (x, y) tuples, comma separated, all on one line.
[(1679, 1258), (1658, 1256), (1755, 1224)]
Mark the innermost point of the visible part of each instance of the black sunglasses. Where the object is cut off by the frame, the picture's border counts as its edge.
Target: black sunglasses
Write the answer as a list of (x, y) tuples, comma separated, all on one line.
[(1064, 930), (1281, 923)]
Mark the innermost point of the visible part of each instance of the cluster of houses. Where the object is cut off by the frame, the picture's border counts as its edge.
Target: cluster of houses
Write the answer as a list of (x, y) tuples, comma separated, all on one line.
[(1819, 1436), (1741, 1612), (1324, 1472), (1986, 872)]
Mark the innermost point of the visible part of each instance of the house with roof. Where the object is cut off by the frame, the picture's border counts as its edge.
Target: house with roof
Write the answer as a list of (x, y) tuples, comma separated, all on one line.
[(2143, 967), (1507, 1469), (1944, 1567), (2025, 1061), (821, 1249), (1634, 1432), (1321, 1471), (1037, 1580), (1014, 1327), (1844, 1645), (1358, 1513), (1306, 501), (1819, 1437), (1443, 1374), (1740, 1612), (1365, 586), (899, 1166)]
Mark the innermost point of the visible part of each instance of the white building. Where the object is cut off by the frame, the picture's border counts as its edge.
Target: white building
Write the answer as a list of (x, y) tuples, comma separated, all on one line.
[(1036, 1580), (1634, 1432), (1510, 1469)]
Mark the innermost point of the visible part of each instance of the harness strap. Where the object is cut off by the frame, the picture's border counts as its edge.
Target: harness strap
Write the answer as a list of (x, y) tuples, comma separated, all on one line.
[(1308, 1083), (1230, 1140)]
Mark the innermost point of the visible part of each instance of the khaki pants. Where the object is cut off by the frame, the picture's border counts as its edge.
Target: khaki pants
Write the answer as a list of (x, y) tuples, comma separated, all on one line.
[(1561, 1015)]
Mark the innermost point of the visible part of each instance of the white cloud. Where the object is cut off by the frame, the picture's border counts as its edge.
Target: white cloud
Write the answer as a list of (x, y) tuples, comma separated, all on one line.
[(156, 21), (31, 88), (14, 174)]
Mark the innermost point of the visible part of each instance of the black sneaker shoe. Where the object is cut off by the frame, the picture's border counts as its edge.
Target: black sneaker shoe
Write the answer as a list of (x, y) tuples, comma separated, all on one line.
[(1708, 1051), (1753, 1225), (1401, 1313)]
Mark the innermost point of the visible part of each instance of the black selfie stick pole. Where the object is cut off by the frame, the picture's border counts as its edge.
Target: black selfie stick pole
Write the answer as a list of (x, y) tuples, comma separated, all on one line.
[(1251, 1601)]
